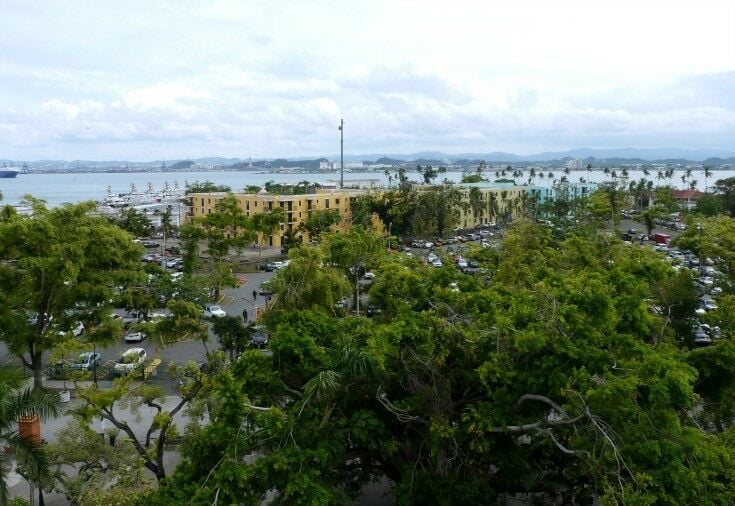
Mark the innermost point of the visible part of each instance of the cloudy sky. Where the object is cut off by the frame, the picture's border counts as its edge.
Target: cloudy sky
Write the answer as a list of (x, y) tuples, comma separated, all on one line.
[(141, 80)]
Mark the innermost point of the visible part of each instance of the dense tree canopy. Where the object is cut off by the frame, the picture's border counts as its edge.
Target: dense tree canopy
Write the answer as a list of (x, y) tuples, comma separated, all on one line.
[(61, 266), (551, 378)]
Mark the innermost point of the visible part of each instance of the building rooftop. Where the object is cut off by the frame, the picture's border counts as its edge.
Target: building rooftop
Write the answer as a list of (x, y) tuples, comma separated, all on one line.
[(687, 194)]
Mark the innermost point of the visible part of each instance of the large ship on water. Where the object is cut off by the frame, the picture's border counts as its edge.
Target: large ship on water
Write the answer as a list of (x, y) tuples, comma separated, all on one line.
[(8, 172)]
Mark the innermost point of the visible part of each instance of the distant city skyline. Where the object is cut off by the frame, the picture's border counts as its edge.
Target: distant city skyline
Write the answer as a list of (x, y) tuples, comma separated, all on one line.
[(142, 81)]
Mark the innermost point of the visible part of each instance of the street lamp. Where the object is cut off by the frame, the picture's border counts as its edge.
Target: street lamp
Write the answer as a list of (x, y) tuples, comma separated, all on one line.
[(341, 153)]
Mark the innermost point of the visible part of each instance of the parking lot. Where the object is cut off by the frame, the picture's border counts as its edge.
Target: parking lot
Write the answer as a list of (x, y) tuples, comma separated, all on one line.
[(246, 301)]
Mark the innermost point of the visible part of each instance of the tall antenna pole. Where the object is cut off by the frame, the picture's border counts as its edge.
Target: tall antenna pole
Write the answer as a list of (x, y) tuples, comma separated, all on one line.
[(341, 153)]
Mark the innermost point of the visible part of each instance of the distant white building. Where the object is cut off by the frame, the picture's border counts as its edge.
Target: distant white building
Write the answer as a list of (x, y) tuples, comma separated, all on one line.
[(575, 164), (326, 165)]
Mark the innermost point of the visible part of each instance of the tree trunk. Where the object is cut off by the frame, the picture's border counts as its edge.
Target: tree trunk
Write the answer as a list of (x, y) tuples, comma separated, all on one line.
[(37, 366)]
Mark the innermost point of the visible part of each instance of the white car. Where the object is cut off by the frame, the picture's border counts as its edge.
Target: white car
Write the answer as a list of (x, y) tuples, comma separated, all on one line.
[(432, 257), (369, 275), (214, 311), (428, 245), (709, 304), (130, 360), (707, 281), (461, 263), (278, 265), (437, 263), (76, 330), (135, 337)]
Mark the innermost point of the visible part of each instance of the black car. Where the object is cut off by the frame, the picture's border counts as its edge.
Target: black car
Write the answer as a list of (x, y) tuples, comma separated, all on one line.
[(269, 267), (259, 339), (372, 310)]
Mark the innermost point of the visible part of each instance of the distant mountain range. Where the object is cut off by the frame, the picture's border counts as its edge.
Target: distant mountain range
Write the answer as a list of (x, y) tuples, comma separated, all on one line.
[(598, 157)]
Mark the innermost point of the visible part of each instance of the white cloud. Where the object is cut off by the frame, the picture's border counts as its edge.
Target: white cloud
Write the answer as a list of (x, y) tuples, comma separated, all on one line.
[(173, 79)]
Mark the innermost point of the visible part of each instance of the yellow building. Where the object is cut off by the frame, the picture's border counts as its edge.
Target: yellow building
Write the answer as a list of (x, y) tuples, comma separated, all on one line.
[(297, 208), (489, 203)]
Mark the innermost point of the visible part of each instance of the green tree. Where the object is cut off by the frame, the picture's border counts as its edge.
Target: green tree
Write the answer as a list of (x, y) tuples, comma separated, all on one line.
[(225, 229), (17, 401), (437, 210), (192, 383), (710, 205), (319, 221), (166, 227), (726, 188), (89, 469), (308, 282), (473, 178), (232, 334), (555, 368), (206, 187), (60, 265), (289, 240), (134, 222), (354, 251)]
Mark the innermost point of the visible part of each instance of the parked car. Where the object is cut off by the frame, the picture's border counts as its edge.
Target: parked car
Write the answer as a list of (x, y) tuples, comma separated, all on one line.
[(260, 337), (268, 267), (462, 263), (264, 289), (428, 245), (77, 329), (132, 318), (372, 310), (87, 361), (176, 276), (150, 244), (130, 360), (214, 311), (437, 263), (369, 275), (342, 303), (135, 337), (709, 304), (700, 337)]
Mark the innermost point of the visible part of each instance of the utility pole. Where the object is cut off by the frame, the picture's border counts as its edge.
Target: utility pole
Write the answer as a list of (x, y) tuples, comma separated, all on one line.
[(341, 153)]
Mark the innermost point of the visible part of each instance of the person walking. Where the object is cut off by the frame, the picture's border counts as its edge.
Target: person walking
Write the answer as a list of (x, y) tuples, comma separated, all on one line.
[(245, 315), (255, 295)]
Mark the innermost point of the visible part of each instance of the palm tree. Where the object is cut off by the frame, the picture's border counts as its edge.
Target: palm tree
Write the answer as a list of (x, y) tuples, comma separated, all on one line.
[(606, 171), (492, 207), (589, 170), (16, 402), (683, 180), (660, 175), (646, 172), (475, 201), (693, 184), (707, 175)]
